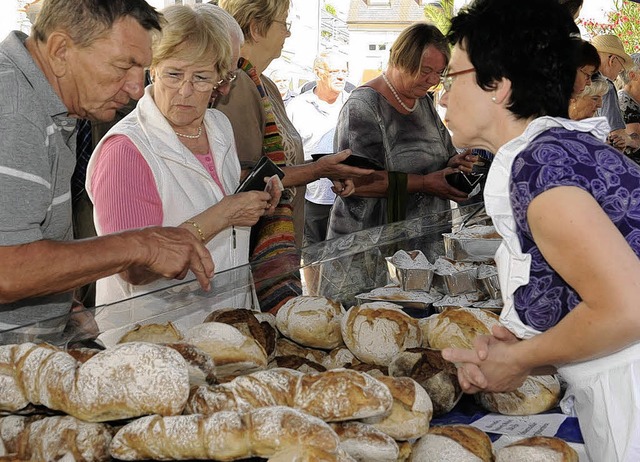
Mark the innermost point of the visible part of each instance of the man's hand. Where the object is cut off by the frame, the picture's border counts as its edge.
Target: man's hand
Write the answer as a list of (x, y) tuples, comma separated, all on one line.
[(332, 167), (170, 253), (436, 184)]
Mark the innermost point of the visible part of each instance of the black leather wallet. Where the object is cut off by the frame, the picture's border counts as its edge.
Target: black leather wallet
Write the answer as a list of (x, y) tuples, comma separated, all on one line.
[(255, 179)]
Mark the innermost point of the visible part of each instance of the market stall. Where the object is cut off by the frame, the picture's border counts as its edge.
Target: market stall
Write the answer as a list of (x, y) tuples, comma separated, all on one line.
[(237, 375)]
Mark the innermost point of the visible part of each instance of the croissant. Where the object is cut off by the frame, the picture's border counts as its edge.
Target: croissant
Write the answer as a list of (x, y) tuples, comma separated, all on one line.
[(222, 436), (333, 396), (128, 380)]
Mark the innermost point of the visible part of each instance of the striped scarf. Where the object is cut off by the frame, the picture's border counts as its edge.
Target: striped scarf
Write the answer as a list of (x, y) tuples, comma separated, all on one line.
[(272, 238)]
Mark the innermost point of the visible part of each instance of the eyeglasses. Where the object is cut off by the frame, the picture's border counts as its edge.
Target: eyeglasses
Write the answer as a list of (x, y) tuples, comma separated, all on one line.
[(586, 74), (286, 24), (447, 78), (175, 80), (619, 61), (230, 77), (337, 72)]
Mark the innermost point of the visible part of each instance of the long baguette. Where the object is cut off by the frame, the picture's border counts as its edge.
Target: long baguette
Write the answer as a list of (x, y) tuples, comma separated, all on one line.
[(128, 380), (333, 396), (222, 436)]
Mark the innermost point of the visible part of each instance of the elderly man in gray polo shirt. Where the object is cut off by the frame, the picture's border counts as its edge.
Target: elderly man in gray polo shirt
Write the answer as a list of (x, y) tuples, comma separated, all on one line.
[(85, 59)]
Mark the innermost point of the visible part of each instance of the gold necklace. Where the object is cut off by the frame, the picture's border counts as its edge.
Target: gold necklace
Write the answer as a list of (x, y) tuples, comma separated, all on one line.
[(191, 137), (395, 93)]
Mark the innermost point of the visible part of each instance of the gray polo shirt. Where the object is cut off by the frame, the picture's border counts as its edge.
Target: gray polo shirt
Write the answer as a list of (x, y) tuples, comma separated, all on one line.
[(37, 158), (611, 108)]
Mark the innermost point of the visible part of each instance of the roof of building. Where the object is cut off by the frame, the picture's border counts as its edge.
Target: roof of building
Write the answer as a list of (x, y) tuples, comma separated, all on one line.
[(396, 11)]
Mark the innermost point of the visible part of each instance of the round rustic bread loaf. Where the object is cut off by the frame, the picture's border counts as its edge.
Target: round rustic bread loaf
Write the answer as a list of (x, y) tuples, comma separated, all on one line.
[(365, 443), (153, 333), (311, 321), (376, 332), (310, 454), (411, 411), (457, 328), (285, 347), (537, 449), (246, 322), (453, 443), (436, 375), (231, 350), (298, 363), (339, 357), (537, 394)]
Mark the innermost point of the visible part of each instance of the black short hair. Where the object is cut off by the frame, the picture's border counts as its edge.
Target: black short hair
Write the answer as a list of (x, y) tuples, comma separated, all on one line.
[(533, 43), (573, 6), (588, 55)]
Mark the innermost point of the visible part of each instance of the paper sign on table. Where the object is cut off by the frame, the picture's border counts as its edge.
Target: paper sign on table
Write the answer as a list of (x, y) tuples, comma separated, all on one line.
[(522, 426)]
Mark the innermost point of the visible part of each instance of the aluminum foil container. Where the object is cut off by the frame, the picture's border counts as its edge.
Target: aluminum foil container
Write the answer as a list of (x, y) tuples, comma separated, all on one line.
[(458, 283), (415, 303), (410, 278), (456, 301), (473, 244), (488, 281), (493, 305)]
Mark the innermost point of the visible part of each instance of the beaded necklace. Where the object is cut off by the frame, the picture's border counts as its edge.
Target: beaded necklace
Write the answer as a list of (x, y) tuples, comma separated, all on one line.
[(395, 93), (191, 137)]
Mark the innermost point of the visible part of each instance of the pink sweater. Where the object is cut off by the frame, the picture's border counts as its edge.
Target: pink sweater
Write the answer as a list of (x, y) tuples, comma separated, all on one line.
[(124, 191)]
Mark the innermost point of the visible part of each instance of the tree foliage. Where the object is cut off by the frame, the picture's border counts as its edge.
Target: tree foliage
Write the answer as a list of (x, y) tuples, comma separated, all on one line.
[(623, 21), (440, 14), (329, 8)]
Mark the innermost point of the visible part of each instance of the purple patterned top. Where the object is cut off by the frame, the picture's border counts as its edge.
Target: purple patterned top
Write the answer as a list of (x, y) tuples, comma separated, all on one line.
[(560, 157)]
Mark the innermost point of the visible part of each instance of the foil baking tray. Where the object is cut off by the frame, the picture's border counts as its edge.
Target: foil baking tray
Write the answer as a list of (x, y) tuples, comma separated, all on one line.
[(411, 270), (458, 301), (493, 305), (472, 244), (415, 303), (488, 281)]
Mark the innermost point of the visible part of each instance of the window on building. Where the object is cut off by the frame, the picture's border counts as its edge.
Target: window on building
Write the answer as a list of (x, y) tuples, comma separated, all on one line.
[(382, 46), (372, 47), (379, 2)]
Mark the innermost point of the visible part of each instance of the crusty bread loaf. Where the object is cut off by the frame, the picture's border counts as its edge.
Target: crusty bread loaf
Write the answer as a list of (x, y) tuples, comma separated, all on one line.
[(222, 436), (376, 332), (537, 394), (153, 333), (82, 355), (340, 357), (411, 411), (246, 322), (202, 369), (128, 380), (436, 375), (456, 328), (332, 396), (50, 438), (371, 369), (365, 443), (232, 352), (537, 449), (285, 347), (310, 454), (311, 321), (453, 443)]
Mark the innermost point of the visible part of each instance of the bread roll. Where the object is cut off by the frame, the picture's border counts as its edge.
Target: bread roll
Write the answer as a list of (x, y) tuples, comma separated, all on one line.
[(285, 347), (457, 328), (340, 357), (222, 436), (128, 380), (377, 332), (298, 363), (365, 443), (310, 454), (453, 443), (436, 375), (202, 369), (246, 322), (232, 352), (153, 333), (332, 396), (311, 321), (537, 394), (411, 411), (537, 449), (49, 438)]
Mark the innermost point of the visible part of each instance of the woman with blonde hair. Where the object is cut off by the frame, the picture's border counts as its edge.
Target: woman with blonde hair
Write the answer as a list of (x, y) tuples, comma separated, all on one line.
[(173, 162), (585, 104)]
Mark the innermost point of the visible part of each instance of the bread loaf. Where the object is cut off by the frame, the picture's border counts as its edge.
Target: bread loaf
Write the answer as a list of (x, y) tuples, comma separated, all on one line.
[(128, 380), (371, 369), (453, 443), (285, 347), (377, 332), (311, 321), (339, 357), (457, 328), (310, 454), (365, 443), (50, 438), (246, 322), (537, 394), (437, 376), (232, 352), (411, 411), (222, 436), (82, 355), (202, 369), (332, 396), (298, 363), (153, 333), (537, 449)]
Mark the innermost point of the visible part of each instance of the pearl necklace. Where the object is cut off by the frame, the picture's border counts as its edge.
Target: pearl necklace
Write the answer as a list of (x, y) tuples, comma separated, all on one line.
[(395, 93), (191, 137)]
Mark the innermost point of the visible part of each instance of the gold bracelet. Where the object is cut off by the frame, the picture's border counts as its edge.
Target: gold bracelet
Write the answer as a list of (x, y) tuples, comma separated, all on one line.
[(198, 229)]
